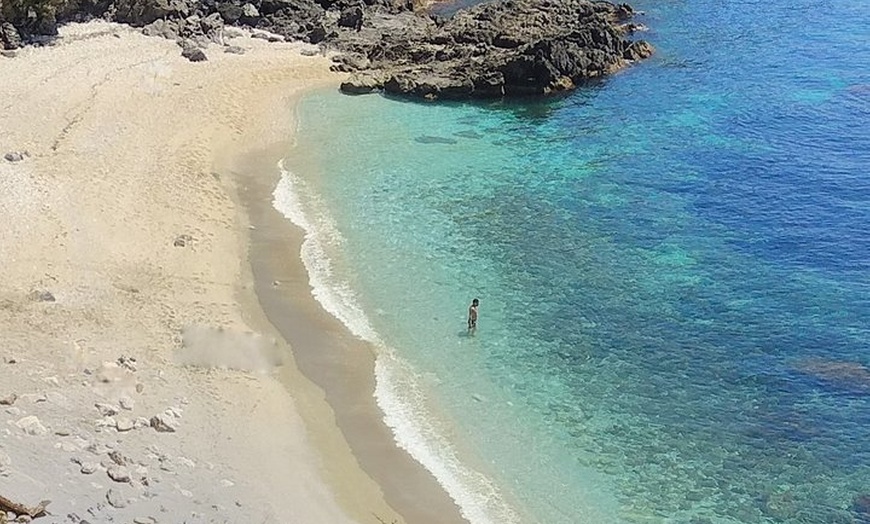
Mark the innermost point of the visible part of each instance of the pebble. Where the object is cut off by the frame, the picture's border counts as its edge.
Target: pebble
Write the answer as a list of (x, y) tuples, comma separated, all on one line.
[(8, 400), (115, 499), (124, 424), (118, 473), (144, 520), (88, 468), (31, 425), (126, 403)]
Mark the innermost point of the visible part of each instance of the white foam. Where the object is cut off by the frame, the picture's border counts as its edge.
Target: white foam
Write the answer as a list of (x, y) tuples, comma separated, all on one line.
[(397, 389)]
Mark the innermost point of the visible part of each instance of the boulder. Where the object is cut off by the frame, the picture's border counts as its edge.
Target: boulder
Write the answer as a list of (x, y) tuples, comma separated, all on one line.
[(351, 17), (9, 36)]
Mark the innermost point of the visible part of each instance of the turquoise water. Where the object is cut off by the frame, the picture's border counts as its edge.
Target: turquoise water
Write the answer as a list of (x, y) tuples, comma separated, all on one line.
[(673, 266)]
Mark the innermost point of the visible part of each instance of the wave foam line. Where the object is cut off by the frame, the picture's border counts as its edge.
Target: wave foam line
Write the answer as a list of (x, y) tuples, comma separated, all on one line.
[(397, 388)]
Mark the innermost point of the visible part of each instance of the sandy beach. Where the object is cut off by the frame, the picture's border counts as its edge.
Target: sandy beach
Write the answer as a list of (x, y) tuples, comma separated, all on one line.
[(141, 380)]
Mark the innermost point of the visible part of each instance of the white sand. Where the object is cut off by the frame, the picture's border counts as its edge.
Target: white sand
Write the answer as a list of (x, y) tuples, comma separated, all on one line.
[(123, 135)]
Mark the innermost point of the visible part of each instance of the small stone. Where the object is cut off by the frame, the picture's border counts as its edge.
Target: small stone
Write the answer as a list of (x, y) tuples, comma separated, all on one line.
[(186, 493), (185, 239), (9, 53), (140, 387), (8, 400), (141, 422), (14, 411), (194, 54), (127, 362), (88, 468), (41, 296), (118, 473), (14, 156), (227, 483), (164, 422), (117, 458), (234, 50), (106, 410), (24, 518), (115, 499), (126, 403), (32, 426), (124, 424), (62, 432), (52, 381), (144, 520)]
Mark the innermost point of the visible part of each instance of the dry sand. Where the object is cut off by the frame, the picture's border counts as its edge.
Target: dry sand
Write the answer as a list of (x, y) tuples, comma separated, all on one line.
[(126, 299)]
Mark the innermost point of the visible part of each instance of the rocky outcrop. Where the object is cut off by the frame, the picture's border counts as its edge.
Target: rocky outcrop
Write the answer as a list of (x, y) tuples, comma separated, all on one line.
[(494, 49), (511, 48)]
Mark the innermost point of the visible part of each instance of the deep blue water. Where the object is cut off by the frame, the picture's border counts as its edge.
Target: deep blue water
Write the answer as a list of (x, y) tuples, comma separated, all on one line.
[(673, 266)]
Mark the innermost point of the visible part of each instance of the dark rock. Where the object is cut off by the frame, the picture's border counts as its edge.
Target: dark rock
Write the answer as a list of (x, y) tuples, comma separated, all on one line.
[(212, 24), (250, 14), (139, 13), (638, 51), (14, 156), (511, 48), (9, 36), (351, 17), (194, 54), (185, 239), (230, 12)]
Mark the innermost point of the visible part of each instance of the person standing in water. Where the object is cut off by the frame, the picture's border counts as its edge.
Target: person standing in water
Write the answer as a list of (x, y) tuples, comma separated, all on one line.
[(472, 316)]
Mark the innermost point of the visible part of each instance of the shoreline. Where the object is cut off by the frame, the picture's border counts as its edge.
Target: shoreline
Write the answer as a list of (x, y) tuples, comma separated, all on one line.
[(345, 371), (129, 296)]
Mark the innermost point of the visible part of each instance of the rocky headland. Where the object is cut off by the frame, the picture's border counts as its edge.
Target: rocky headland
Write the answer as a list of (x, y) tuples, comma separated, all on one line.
[(488, 50)]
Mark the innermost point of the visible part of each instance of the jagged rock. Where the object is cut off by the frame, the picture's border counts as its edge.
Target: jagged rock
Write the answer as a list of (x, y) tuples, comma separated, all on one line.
[(9, 37), (638, 51), (250, 14), (118, 473), (351, 17), (362, 83), (212, 24), (31, 425), (139, 13), (234, 49), (495, 49), (164, 423), (126, 403)]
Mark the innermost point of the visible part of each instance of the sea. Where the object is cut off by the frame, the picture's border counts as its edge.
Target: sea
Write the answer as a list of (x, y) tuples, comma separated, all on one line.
[(673, 267)]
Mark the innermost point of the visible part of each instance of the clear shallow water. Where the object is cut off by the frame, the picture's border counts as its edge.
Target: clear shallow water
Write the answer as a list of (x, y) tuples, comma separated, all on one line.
[(673, 267)]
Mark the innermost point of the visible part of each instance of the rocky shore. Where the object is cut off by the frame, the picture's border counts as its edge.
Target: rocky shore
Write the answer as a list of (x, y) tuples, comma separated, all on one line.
[(489, 50)]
